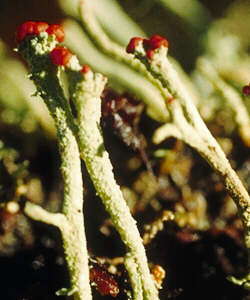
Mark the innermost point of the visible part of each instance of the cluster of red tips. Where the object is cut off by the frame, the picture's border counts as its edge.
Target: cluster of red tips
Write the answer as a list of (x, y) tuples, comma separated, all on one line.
[(24, 29), (246, 90), (85, 69), (35, 28), (149, 45), (60, 56)]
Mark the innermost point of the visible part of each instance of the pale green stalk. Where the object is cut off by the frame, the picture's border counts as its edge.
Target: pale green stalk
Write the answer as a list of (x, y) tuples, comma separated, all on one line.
[(192, 11), (120, 29), (86, 96), (132, 269), (230, 95)]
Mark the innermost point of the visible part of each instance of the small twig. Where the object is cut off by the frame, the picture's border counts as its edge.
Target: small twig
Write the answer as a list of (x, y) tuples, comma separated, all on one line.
[(164, 132), (158, 225), (38, 213)]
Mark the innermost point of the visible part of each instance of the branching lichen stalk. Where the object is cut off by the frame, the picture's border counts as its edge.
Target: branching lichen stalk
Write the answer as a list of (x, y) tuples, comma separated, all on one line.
[(186, 124), (46, 78)]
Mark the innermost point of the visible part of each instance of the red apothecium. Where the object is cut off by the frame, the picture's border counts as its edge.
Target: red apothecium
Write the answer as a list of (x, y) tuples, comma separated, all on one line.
[(61, 56), (85, 69), (246, 89), (134, 42), (58, 31)]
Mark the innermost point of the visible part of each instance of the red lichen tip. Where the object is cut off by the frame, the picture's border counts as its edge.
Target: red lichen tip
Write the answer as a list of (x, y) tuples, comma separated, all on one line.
[(156, 42), (60, 56), (40, 27), (85, 69), (246, 90), (27, 28), (134, 42), (30, 27), (58, 31)]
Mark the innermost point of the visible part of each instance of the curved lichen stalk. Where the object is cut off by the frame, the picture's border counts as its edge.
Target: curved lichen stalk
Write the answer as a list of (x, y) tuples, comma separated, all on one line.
[(187, 125)]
